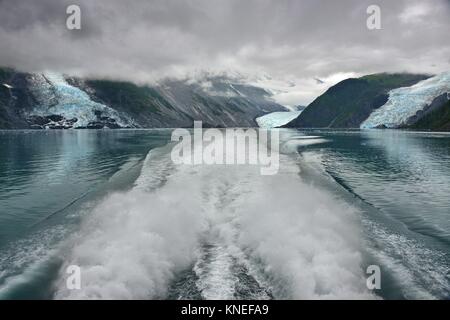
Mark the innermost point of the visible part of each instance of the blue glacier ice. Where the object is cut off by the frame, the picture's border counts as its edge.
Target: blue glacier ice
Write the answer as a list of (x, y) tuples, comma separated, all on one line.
[(277, 119), (56, 96), (404, 103)]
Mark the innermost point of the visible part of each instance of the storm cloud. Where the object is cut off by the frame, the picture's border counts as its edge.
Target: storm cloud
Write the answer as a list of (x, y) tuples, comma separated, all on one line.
[(285, 44)]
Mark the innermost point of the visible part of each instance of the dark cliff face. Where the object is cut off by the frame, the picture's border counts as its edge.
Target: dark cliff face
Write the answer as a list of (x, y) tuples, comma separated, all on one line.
[(437, 119), (437, 103), (170, 104), (15, 97), (350, 102)]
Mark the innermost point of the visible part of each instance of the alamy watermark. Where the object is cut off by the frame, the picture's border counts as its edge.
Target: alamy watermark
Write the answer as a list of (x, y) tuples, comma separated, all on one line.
[(373, 21), (73, 21), (231, 146), (373, 281), (73, 281)]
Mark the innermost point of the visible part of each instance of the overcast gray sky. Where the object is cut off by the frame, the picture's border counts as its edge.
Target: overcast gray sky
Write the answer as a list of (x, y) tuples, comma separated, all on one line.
[(285, 44)]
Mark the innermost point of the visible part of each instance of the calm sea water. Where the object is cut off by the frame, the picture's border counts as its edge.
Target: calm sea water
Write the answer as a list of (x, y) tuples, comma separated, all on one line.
[(113, 203), (402, 182)]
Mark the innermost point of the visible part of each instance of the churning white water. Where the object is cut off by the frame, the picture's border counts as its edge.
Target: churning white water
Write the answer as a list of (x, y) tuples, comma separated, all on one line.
[(241, 234)]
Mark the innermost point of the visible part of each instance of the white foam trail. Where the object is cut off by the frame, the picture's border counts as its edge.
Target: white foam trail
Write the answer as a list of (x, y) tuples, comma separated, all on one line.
[(156, 169), (422, 273), (214, 270), (26, 259), (306, 240), (133, 243), (222, 262)]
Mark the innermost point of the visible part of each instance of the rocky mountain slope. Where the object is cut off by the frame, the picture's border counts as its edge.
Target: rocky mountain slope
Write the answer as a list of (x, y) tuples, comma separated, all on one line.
[(53, 101), (350, 102), (436, 120), (14, 97)]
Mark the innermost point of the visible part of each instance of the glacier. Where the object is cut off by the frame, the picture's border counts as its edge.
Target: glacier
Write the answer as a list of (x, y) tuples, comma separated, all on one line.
[(56, 96), (277, 119), (405, 102)]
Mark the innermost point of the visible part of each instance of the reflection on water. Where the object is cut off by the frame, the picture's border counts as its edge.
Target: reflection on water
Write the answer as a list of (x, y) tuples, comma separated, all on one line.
[(42, 172), (398, 181), (405, 174)]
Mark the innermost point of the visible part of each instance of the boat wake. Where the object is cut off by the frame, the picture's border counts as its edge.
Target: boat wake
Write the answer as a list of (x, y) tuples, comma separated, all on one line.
[(218, 232)]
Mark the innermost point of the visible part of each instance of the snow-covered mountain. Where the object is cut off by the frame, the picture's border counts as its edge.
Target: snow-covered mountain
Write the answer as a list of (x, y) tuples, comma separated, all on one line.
[(407, 105), (57, 102), (54, 101)]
